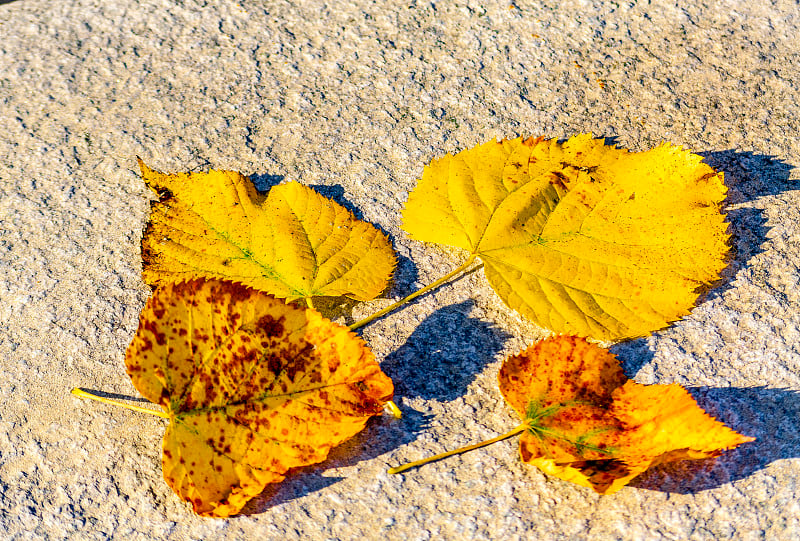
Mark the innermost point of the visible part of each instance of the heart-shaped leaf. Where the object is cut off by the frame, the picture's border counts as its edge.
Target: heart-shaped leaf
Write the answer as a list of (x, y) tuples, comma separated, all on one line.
[(252, 387), (580, 237)]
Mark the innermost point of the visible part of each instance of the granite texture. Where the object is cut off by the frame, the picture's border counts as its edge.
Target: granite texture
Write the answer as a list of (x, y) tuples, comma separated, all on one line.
[(354, 97)]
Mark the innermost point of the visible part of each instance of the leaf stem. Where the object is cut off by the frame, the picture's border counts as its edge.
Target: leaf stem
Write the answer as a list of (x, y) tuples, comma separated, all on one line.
[(391, 308), (396, 413), (83, 393), (501, 437)]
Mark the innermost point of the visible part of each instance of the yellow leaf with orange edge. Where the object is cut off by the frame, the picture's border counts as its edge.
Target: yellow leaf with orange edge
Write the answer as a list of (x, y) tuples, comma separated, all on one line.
[(585, 422), (252, 386), (292, 242), (580, 237)]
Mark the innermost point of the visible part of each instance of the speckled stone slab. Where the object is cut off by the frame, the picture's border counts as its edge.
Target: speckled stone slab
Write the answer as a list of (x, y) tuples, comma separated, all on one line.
[(354, 98)]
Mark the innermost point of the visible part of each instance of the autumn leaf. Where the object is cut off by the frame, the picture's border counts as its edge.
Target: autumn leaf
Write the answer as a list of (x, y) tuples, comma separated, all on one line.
[(292, 243), (580, 237), (585, 422), (252, 387)]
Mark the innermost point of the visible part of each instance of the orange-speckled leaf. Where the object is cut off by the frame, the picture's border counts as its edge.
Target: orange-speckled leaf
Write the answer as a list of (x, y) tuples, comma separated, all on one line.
[(252, 386), (587, 423), (292, 243)]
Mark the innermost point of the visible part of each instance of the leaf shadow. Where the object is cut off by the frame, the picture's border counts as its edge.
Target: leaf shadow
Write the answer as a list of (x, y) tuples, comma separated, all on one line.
[(381, 435), (404, 277), (116, 396), (438, 361), (633, 355), (748, 176), (768, 414), (263, 182), (444, 354)]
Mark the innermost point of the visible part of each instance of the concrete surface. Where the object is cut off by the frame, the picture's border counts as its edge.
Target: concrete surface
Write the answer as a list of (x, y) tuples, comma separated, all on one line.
[(354, 98)]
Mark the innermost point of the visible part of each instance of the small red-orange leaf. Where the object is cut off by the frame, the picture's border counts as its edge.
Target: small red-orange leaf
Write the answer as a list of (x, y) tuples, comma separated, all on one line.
[(586, 423), (252, 387)]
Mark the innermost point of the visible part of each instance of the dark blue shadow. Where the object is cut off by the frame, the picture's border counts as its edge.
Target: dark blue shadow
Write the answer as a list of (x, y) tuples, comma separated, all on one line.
[(769, 415), (748, 176), (444, 354)]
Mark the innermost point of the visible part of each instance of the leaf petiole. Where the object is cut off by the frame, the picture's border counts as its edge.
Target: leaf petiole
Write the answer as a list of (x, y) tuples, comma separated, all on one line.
[(395, 411), (83, 393), (461, 269), (501, 437)]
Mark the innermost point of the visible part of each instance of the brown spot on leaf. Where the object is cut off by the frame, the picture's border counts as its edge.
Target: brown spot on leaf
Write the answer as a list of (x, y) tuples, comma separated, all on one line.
[(238, 398), (270, 325)]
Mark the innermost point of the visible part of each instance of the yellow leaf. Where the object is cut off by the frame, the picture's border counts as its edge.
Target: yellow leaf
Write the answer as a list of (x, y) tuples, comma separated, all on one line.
[(584, 422), (252, 387), (291, 243), (580, 237)]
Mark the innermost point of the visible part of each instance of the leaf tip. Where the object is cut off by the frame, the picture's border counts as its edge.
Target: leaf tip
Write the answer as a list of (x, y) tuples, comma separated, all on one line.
[(144, 168)]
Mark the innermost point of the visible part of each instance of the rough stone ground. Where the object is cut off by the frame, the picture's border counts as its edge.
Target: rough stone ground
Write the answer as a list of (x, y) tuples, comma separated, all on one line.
[(355, 97)]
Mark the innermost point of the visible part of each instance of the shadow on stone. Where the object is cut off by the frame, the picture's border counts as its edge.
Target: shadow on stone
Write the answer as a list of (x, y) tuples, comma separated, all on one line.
[(116, 396), (438, 361), (381, 435), (632, 355), (769, 415), (748, 176), (444, 354), (405, 276), (263, 183)]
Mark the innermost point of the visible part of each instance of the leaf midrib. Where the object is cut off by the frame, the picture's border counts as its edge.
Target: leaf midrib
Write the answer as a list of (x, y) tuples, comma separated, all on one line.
[(288, 396)]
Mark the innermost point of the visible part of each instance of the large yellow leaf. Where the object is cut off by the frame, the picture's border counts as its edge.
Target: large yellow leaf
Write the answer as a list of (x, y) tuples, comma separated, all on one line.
[(291, 243), (584, 422), (580, 237), (252, 387)]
